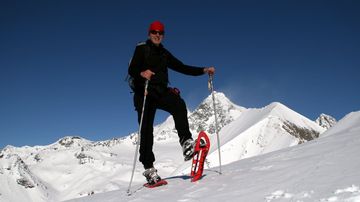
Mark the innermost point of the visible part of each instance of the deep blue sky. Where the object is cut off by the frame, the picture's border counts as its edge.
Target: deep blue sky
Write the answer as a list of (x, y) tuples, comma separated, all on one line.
[(63, 63)]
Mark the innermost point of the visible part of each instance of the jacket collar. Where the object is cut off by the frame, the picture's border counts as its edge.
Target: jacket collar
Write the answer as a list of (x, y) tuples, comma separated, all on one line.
[(151, 44)]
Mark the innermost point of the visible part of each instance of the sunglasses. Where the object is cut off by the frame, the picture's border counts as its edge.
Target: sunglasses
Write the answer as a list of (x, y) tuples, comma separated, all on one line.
[(154, 32)]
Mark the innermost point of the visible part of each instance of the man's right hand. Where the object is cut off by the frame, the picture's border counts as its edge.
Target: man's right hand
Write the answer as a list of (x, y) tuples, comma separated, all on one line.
[(147, 74)]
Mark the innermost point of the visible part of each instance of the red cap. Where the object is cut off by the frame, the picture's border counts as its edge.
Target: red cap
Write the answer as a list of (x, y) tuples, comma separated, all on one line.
[(157, 25)]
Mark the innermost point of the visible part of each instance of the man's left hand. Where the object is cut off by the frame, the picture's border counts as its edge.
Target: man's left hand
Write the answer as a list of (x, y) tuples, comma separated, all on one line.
[(209, 70)]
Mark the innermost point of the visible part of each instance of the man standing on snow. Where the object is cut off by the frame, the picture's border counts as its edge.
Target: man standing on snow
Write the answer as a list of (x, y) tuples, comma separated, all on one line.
[(151, 62)]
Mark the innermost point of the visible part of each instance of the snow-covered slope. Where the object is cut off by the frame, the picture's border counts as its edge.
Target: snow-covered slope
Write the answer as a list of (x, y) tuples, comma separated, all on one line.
[(18, 183), (323, 170), (75, 167), (71, 167)]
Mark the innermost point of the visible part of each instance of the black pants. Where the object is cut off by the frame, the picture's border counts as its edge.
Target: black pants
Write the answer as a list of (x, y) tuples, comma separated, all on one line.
[(169, 102)]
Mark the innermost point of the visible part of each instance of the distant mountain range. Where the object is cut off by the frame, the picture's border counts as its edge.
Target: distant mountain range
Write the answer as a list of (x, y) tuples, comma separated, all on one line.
[(74, 167)]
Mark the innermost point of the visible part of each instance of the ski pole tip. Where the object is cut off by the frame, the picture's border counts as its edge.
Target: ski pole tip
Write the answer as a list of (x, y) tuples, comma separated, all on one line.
[(128, 192)]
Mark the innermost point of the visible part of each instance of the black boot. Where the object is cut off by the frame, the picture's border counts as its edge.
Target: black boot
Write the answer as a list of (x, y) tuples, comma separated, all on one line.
[(151, 176), (188, 149)]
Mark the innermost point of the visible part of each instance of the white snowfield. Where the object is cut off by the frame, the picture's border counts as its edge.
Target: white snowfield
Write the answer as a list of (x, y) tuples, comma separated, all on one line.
[(325, 169), (267, 155)]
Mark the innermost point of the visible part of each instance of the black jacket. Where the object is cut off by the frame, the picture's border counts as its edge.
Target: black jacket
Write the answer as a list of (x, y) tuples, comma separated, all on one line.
[(158, 60)]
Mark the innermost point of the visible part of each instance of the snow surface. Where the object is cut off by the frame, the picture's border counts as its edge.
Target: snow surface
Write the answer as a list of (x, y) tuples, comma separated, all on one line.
[(325, 169)]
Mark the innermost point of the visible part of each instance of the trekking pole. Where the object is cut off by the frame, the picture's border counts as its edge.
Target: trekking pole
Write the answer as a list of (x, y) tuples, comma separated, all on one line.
[(139, 137), (211, 88)]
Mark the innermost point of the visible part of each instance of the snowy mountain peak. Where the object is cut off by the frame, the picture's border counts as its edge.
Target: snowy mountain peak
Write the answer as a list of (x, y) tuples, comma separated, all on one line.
[(203, 118), (294, 123), (75, 141), (275, 105), (220, 99), (326, 121), (278, 109), (286, 114)]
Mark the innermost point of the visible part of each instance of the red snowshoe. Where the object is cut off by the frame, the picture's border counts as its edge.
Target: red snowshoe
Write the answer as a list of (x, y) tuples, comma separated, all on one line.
[(202, 147)]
